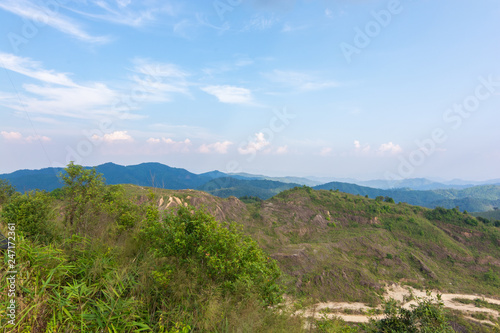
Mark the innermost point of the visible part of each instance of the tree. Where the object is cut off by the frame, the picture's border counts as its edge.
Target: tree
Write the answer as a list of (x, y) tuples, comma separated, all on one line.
[(83, 189), (389, 199), (6, 191)]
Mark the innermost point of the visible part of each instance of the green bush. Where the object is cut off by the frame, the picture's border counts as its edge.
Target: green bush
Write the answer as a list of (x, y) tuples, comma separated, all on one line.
[(31, 213), (428, 316), (229, 258), (6, 191)]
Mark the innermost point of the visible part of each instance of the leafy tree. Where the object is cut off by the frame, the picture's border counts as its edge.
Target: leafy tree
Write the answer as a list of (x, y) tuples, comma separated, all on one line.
[(379, 198), (31, 213), (83, 189), (6, 191), (389, 199)]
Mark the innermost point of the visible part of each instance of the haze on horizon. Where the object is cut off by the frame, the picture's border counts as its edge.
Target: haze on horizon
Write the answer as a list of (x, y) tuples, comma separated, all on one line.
[(345, 89)]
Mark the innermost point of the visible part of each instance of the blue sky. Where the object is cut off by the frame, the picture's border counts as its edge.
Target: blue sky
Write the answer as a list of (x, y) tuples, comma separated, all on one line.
[(364, 89)]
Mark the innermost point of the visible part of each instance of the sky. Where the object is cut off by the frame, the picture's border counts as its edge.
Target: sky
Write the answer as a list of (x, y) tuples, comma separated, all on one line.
[(360, 89)]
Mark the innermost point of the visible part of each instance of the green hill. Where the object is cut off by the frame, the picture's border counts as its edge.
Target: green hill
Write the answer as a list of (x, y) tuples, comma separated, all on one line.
[(128, 258), (227, 186), (473, 199)]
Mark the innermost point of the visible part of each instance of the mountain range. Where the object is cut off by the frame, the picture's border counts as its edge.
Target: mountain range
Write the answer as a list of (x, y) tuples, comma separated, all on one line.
[(417, 191)]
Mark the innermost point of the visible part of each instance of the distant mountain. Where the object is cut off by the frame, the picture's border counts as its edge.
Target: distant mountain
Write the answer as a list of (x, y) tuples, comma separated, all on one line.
[(295, 180), (412, 183), (228, 186), (473, 199), (26, 180), (145, 174)]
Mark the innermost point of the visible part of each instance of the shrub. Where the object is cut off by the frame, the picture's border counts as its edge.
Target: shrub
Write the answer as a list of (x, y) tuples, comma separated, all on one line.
[(31, 213), (6, 191), (229, 258), (389, 199), (428, 316)]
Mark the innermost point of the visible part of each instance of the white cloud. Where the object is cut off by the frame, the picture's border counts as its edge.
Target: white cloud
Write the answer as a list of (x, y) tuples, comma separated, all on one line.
[(11, 135), (254, 146), (153, 140), (18, 137), (117, 136), (34, 70), (390, 148), (218, 147), (42, 138), (229, 94), (61, 96), (50, 16), (299, 80)]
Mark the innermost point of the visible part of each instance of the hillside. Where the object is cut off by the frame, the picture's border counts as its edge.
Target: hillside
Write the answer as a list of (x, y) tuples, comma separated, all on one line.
[(163, 264), (338, 246), (472, 199), (227, 186)]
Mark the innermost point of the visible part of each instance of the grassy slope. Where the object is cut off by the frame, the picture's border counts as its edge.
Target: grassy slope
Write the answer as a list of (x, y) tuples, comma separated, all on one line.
[(331, 245), (338, 246)]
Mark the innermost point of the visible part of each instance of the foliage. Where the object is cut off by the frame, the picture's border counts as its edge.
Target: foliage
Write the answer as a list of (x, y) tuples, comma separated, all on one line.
[(428, 316), (388, 199), (332, 325), (230, 258), (250, 199), (31, 213), (452, 216), (83, 191), (6, 191)]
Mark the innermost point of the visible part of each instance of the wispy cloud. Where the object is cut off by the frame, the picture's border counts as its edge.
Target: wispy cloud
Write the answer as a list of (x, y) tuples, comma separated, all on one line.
[(126, 12), (58, 95), (35, 12), (33, 69), (260, 22), (228, 66), (299, 80), (230, 94), (158, 81)]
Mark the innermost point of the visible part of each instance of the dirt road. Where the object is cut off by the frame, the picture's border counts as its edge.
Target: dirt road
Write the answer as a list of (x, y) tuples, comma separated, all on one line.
[(359, 312)]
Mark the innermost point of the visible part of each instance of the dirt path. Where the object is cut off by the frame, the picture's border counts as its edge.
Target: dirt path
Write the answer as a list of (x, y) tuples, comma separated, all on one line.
[(355, 312)]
